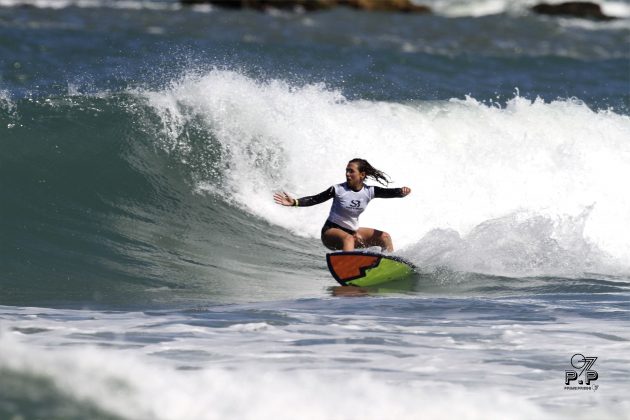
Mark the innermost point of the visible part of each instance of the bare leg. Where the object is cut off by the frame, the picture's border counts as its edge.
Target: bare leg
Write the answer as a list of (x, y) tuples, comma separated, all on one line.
[(374, 237), (336, 239)]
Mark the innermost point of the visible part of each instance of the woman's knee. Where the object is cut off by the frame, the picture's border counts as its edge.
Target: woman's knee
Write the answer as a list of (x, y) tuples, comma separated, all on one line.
[(337, 240), (348, 240), (380, 236)]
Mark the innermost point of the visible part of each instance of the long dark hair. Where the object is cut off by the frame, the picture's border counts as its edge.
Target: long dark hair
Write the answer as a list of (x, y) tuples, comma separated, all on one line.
[(371, 172)]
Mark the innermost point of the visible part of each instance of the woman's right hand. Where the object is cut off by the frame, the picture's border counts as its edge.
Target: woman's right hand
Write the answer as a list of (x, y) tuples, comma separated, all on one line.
[(283, 199)]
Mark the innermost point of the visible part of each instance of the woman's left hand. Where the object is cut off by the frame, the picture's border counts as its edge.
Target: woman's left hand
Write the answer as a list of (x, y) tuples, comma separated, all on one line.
[(406, 191)]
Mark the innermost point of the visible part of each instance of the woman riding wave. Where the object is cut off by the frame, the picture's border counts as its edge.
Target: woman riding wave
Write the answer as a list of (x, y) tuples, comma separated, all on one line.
[(341, 230)]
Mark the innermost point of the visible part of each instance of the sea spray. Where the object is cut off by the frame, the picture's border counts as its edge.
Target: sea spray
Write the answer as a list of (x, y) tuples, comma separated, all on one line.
[(518, 244)]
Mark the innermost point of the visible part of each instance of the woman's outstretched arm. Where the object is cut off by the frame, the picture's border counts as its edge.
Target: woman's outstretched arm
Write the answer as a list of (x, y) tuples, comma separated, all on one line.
[(380, 192), (285, 200)]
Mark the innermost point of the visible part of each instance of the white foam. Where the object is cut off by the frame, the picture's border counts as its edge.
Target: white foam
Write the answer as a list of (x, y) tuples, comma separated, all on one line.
[(618, 9), (5, 100), (459, 8), (467, 162), (384, 367), (597, 25), (519, 244), (131, 386), (8, 105)]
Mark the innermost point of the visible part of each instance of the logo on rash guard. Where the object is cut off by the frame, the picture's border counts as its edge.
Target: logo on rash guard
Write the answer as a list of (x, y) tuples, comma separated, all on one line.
[(355, 204)]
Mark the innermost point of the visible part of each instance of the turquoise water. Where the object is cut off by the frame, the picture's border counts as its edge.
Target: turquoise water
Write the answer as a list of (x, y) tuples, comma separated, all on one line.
[(145, 272)]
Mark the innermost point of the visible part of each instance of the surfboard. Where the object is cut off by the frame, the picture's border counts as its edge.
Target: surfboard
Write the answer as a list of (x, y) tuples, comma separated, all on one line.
[(366, 269)]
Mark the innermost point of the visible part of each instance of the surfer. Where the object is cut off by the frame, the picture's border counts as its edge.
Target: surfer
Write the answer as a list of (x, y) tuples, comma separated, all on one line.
[(341, 230)]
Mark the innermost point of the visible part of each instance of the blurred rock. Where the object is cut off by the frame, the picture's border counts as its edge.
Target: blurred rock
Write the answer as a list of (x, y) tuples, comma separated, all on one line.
[(373, 5), (308, 5), (572, 8), (267, 4), (386, 5)]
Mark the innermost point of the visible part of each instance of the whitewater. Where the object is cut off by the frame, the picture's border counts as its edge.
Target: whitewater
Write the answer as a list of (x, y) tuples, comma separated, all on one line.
[(544, 176)]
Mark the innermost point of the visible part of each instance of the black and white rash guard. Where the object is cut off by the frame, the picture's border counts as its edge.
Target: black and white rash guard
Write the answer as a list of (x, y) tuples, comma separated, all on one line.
[(348, 204)]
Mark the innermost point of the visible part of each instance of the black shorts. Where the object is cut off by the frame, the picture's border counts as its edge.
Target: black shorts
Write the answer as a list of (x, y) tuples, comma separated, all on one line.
[(330, 225)]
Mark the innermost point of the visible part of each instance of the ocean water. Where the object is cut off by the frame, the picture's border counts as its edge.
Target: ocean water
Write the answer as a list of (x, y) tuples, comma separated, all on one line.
[(146, 273)]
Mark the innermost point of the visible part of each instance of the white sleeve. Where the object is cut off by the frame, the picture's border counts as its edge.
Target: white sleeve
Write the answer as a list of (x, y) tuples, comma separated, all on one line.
[(370, 189)]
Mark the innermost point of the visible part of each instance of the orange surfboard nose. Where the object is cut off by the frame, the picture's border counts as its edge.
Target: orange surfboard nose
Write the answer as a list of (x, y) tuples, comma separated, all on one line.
[(350, 267)]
